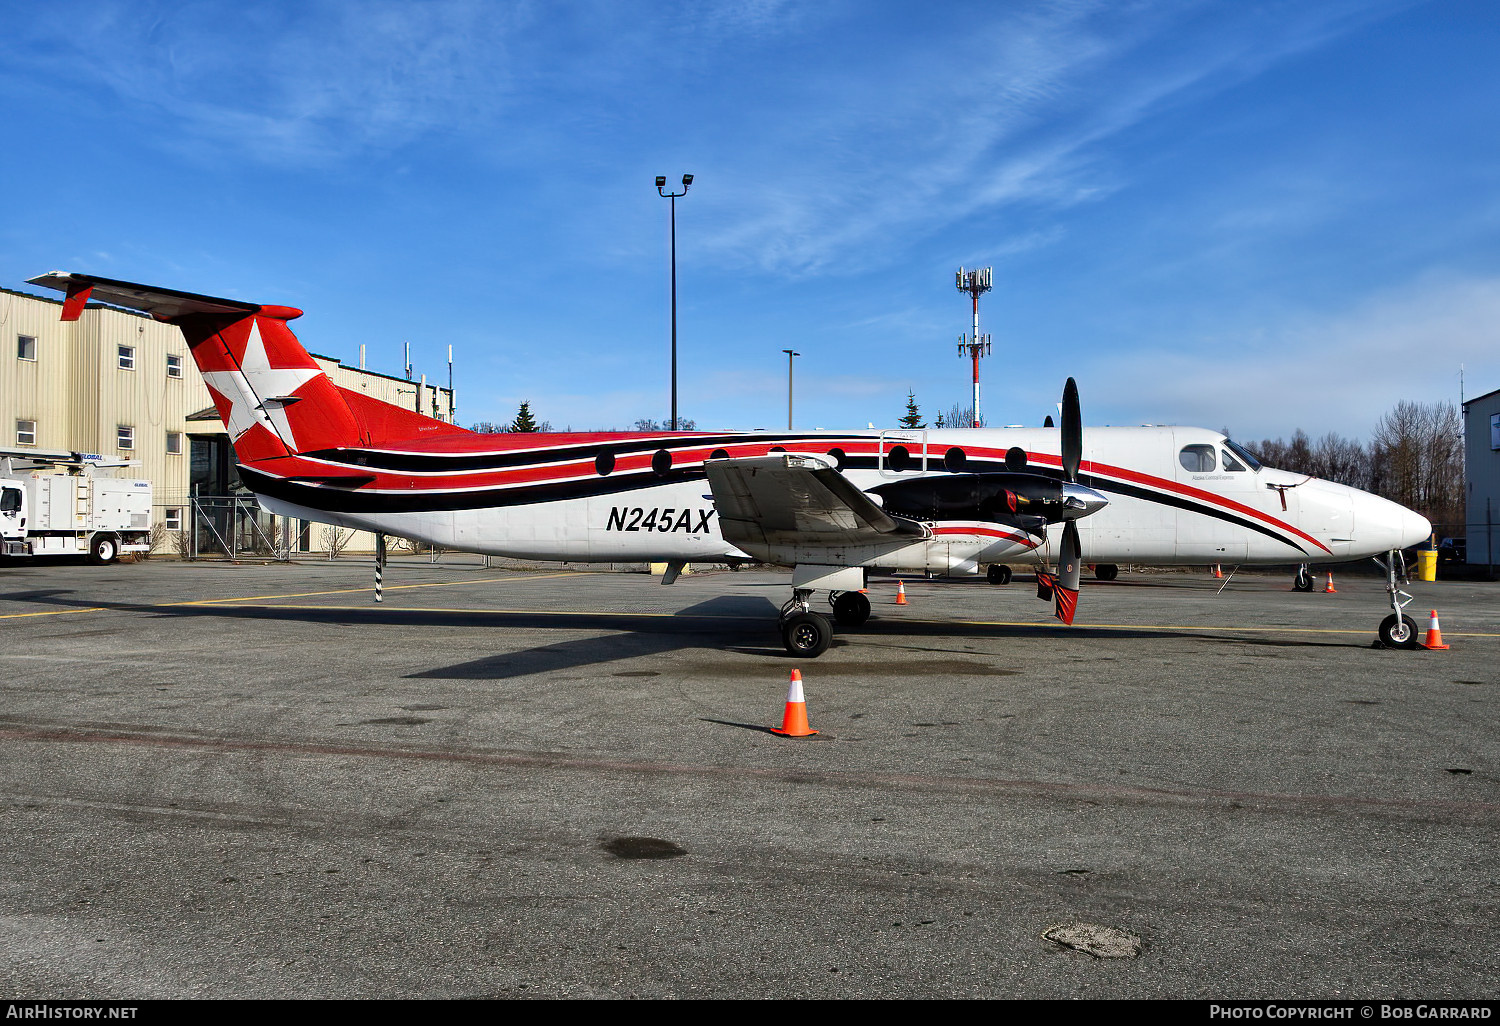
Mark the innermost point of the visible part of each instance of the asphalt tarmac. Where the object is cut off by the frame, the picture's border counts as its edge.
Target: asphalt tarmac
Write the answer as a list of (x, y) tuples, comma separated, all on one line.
[(250, 781)]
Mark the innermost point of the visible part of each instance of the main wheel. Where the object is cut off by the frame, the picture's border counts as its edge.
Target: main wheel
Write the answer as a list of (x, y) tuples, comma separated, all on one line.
[(1304, 581), (1398, 632), (851, 609), (998, 573), (806, 634), (103, 549), (1106, 572)]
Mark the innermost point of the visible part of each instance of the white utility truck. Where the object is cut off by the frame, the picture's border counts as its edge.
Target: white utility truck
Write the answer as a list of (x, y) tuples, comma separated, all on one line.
[(58, 504)]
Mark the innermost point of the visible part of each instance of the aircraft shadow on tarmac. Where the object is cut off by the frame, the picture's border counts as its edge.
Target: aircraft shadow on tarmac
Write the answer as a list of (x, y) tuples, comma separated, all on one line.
[(723, 623)]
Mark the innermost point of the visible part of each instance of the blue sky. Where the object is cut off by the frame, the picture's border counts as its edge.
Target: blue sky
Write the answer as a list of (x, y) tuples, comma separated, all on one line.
[(1256, 215)]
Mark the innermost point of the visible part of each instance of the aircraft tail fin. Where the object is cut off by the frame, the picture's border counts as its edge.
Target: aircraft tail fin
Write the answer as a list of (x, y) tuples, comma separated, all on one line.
[(273, 396)]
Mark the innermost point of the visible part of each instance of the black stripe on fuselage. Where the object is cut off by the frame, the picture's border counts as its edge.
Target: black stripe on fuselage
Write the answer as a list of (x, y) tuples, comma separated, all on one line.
[(439, 462), (343, 500), (1190, 505)]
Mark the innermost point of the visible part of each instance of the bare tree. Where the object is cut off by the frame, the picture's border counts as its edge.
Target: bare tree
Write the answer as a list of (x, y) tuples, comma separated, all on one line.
[(1336, 458), (1417, 459)]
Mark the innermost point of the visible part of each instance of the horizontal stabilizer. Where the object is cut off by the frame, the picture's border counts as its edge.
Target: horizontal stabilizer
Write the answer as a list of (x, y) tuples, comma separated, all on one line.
[(163, 304)]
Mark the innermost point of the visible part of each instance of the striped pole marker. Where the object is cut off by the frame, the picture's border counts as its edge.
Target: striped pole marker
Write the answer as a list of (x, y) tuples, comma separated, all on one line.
[(379, 565)]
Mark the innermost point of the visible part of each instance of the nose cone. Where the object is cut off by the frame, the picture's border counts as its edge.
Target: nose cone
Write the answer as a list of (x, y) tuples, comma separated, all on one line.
[(1381, 525), (1081, 501)]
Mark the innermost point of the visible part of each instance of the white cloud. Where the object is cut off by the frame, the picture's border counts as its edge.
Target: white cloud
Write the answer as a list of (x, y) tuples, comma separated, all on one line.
[(1320, 372)]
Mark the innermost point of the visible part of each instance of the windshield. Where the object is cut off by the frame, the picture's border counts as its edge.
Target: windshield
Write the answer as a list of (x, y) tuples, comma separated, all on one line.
[(1243, 453)]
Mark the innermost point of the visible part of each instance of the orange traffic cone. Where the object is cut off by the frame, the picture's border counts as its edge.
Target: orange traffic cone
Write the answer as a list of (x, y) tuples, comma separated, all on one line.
[(794, 722), (1434, 634), (1218, 572), (900, 593), (1330, 590)]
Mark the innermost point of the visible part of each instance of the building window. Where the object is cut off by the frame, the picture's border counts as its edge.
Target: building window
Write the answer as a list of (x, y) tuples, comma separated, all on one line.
[(174, 443), (127, 357), (174, 366), (25, 432), (26, 347), (125, 437), (173, 518)]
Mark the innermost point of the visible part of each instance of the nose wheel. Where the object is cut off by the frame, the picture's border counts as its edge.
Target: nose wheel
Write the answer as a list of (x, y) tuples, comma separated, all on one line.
[(1304, 579)]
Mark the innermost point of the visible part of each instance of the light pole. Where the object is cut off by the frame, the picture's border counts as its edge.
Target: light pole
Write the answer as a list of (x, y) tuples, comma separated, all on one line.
[(790, 356), (661, 183)]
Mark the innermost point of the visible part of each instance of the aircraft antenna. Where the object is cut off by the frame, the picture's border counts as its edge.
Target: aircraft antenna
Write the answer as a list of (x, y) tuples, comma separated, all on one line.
[(975, 283)]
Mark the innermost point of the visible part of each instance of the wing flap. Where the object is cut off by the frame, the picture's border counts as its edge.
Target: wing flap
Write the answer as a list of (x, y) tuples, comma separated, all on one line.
[(789, 498)]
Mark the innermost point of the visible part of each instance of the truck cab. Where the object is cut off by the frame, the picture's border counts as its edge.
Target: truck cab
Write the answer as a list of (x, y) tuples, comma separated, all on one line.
[(12, 519)]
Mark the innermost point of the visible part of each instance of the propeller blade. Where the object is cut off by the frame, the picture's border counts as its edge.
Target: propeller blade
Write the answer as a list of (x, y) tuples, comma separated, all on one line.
[(1072, 431), (1069, 571)]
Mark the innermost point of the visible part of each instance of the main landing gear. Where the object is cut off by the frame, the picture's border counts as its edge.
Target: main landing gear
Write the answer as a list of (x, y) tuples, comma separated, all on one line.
[(803, 632), (808, 634), (1397, 630)]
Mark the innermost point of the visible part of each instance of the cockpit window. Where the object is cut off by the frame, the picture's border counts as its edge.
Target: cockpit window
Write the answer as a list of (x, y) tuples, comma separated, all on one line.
[(1230, 463), (1197, 459), (1243, 453)]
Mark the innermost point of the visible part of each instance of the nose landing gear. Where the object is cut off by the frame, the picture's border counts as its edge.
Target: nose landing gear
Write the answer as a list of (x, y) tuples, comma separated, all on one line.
[(1397, 630)]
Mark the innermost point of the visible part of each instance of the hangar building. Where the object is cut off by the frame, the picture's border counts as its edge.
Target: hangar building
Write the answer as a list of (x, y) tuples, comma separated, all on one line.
[(121, 385), (1482, 476)]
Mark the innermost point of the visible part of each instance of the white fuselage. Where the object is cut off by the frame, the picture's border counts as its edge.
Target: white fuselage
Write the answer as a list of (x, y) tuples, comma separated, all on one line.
[(1176, 495)]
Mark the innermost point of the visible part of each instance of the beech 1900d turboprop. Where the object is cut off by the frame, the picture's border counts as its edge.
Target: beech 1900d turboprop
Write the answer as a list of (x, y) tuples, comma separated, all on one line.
[(830, 505)]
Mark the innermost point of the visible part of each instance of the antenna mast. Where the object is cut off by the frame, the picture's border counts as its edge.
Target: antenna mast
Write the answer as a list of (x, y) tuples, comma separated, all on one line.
[(975, 283)]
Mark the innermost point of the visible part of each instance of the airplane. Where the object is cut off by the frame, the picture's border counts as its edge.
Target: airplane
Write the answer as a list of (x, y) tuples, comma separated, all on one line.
[(831, 505)]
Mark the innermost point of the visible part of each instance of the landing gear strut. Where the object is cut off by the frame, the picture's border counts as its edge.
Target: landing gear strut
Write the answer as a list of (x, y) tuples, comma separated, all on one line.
[(1304, 579), (1397, 630), (803, 632)]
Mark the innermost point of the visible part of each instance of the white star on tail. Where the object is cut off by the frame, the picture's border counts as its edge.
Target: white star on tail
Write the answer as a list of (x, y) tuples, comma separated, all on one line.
[(256, 381)]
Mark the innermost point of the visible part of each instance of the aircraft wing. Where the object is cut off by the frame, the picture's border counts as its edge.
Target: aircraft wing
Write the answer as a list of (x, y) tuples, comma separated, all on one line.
[(791, 499)]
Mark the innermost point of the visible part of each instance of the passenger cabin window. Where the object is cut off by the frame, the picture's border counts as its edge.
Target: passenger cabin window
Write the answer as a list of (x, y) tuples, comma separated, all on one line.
[(1197, 459), (1230, 463)]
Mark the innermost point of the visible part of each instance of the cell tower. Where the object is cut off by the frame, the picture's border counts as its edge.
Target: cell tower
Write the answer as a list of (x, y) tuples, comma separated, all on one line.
[(976, 345)]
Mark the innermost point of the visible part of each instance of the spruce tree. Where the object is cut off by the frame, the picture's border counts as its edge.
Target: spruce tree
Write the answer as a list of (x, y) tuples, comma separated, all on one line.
[(524, 422), (913, 418)]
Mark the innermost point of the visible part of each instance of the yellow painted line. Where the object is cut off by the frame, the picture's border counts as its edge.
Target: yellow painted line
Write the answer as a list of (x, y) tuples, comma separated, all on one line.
[(489, 612), (392, 587), (53, 612), (306, 594), (1176, 627)]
